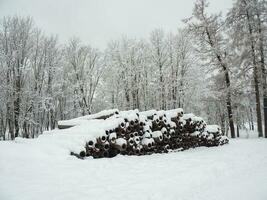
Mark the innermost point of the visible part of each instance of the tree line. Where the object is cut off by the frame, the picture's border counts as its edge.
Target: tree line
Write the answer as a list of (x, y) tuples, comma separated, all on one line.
[(215, 67)]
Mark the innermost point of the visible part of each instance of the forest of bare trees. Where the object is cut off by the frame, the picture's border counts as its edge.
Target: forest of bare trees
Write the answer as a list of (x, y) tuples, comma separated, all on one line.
[(215, 66)]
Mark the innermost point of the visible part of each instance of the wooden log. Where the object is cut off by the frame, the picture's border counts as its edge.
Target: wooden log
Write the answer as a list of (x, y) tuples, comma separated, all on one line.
[(120, 144)]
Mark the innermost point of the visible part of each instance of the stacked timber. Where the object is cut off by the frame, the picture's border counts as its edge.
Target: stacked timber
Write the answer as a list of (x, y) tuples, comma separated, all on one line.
[(143, 133)]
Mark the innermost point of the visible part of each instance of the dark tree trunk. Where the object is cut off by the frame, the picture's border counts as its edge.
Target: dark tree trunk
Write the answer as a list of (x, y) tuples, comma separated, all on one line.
[(265, 115), (162, 89), (17, 106), (8, 111), (127, 96), (255, 74), (258, 103), (228, 85), (263, 70), (228, 98), (237, 123), (222, 116), (2, 127), (229, 107), (174, 94), (251, 118)]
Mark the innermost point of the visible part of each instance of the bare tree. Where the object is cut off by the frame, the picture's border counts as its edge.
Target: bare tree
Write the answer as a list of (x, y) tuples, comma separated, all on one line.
[(246, 20), (208, 29), (159, 59), (85, 71)]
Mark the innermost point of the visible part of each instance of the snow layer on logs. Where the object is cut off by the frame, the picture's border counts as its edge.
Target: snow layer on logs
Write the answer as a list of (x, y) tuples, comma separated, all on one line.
[(156, 134), (80, 120), (174, 112), (212, 128), (148, 113)]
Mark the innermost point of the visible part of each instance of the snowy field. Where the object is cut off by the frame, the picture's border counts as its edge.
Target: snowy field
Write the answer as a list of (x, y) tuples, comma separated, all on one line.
[(232, 172)]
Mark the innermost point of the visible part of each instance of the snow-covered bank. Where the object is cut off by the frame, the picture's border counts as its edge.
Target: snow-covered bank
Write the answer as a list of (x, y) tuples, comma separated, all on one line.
[(235, 171)]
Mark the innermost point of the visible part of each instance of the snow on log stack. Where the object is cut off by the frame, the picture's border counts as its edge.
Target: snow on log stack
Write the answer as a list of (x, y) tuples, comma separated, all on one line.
[(77, 121), (142, 133)]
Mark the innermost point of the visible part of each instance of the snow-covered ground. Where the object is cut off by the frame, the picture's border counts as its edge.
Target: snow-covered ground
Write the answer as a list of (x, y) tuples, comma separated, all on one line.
[(236, 171)]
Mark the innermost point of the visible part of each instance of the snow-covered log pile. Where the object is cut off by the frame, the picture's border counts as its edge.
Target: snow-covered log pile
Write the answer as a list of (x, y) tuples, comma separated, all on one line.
[(141, 133)]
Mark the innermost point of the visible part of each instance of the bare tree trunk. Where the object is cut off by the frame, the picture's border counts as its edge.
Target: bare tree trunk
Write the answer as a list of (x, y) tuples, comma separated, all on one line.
[(174, 93), (135, 93), (146, 91), (181, 89), (222, 119), (127, 96), (265, 113), (9, 115), (257, 93), (255, 74), (229, 105), (228, 86), (173, 79), (251, 118), (237, 122), (248, 118), (113, 98), (2, 126), (17, 105), (162, 88), (263, 70)]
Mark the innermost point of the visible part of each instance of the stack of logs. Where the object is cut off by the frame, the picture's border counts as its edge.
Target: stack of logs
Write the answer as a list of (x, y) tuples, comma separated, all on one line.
[(144, 133)]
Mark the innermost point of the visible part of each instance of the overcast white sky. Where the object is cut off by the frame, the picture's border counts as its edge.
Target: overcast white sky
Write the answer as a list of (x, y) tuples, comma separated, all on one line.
[(96, 22)]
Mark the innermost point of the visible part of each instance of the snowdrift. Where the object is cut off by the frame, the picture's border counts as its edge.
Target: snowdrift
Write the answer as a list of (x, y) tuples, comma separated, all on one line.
[(113, 132)]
